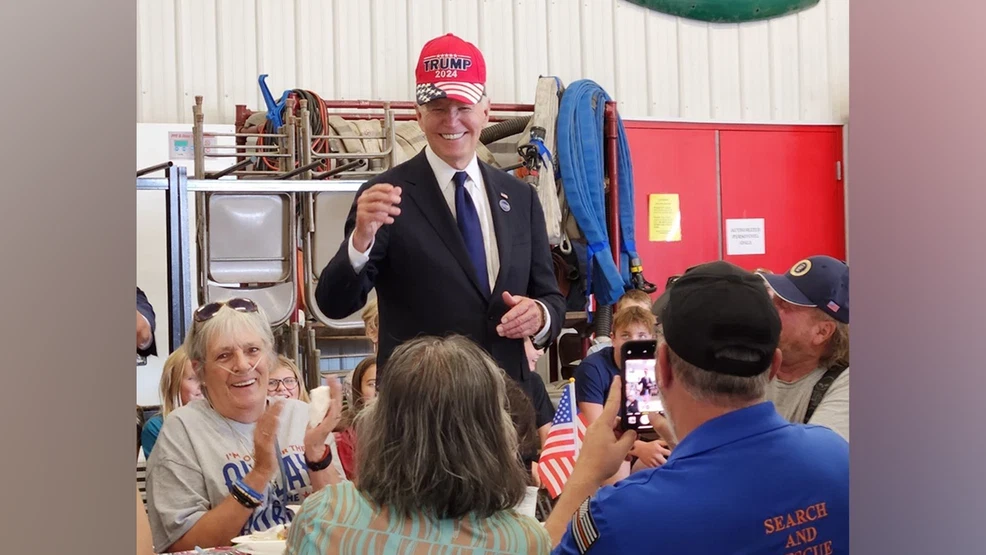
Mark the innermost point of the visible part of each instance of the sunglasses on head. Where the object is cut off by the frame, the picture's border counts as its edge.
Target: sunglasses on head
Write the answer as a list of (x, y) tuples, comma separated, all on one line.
[(676, 277), (239, 304)]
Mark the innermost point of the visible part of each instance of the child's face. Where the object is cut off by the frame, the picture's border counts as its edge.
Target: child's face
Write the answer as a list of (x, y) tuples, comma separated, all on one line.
[(634, 332)]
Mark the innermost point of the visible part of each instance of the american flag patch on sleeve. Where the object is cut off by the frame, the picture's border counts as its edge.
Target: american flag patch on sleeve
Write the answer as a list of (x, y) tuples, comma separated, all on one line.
[(584, 528)]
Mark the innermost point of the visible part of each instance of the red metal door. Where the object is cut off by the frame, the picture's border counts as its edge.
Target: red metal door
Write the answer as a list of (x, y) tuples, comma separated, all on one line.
[(788, 176), (674, 158)]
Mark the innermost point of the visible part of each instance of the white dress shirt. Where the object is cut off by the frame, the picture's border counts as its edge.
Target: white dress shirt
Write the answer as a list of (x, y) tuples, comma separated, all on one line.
[(476, 187), (445, 175)]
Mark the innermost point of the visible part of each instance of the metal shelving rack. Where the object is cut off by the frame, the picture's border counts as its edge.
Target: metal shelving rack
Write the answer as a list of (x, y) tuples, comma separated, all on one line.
[(178, 187)]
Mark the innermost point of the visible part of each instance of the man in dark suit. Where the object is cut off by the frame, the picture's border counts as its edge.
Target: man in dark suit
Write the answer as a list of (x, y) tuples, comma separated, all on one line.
[(146, 346), (451, 244)]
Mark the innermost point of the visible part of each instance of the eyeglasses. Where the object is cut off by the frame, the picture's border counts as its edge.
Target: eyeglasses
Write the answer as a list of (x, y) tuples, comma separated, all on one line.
[(289, 383), (206, 312)]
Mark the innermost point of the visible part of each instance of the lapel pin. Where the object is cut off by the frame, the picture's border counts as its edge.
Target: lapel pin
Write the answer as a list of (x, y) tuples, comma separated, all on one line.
[(504, 205), (504, 195)]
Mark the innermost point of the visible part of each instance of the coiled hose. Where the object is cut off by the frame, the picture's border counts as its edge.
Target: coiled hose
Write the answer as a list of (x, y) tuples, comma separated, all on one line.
[(503, 129), (604, 320), (318, 117)]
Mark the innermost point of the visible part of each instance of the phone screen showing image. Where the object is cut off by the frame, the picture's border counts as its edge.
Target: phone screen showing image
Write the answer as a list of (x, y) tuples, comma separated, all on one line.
[(641, 395)]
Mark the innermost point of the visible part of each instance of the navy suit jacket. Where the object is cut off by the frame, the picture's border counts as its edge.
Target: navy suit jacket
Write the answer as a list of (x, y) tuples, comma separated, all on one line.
[(423, 276)]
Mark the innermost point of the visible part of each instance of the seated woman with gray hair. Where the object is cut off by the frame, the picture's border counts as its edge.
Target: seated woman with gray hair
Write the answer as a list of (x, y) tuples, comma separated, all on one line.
[(230, 463), (438, 465)]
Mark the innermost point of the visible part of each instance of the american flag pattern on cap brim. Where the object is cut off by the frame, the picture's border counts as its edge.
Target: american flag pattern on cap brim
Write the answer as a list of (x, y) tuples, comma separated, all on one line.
[(470, 92)]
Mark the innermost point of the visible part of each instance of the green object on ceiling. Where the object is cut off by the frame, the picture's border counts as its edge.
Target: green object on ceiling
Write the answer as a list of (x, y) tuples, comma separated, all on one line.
[(726, 11)]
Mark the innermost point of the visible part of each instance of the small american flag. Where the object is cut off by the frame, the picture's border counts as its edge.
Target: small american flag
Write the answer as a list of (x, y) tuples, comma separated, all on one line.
[(563, 444)]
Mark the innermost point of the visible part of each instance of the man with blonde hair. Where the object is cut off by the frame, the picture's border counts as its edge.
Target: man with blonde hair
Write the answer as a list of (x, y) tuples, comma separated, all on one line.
[(812, 384)]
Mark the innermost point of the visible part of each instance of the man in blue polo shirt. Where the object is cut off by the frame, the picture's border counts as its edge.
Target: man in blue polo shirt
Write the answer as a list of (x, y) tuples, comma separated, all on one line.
[(742, 478)]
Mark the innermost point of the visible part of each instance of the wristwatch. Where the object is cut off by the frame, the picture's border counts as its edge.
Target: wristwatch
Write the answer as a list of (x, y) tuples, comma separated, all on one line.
[(322, 464)]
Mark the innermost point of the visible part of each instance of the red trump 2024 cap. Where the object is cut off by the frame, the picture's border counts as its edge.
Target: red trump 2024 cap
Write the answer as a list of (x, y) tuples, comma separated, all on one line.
[(450, 67)]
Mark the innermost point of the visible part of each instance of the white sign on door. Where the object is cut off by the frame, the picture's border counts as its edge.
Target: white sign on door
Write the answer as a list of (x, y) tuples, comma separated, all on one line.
[(745, 236)]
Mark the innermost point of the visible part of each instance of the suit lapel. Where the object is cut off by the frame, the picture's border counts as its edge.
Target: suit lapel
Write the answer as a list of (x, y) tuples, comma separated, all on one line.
[(427, 196), (495, 193)]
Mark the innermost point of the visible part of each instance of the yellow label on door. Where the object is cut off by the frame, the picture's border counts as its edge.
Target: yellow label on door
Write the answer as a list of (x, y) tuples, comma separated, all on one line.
[(664, 217)]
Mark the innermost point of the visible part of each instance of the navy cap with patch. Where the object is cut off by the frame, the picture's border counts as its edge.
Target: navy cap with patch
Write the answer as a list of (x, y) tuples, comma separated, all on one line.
[(820, 282)]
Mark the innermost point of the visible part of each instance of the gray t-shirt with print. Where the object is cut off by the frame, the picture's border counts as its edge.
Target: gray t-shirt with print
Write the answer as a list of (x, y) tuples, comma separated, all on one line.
[(791, 400), (199, 455)]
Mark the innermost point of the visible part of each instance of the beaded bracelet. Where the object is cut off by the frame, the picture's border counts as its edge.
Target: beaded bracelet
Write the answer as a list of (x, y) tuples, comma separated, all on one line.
[(245, 495), (256, 495), (242, 498)]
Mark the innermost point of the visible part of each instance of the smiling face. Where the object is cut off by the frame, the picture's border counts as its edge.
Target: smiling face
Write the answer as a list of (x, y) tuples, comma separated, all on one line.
[(533, 354), (453, 128), (286, 384), (235, 374)]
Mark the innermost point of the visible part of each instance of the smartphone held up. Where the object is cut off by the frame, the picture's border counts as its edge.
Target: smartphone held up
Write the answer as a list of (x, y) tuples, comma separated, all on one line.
[(638, 372)]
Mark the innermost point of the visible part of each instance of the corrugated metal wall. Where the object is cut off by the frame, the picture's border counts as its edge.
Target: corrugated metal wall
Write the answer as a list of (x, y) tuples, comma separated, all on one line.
[(791, 69)]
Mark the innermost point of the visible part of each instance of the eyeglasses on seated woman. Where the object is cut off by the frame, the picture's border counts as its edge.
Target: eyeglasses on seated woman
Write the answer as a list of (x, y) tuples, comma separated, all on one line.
[(230, 463), (286, 381)]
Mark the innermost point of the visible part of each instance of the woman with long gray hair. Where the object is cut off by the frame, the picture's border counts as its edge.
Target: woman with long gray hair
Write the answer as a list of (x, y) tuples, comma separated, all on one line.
[(438, 464)]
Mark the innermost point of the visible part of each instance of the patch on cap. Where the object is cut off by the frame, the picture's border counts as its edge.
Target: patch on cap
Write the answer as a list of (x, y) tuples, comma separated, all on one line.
[(820, 282), (801, 268)]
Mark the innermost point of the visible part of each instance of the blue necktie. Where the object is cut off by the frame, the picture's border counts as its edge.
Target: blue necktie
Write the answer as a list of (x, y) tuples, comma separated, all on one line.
[(472, 232)]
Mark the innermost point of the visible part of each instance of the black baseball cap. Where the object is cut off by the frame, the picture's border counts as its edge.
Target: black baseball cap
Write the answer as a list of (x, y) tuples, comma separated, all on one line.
[(716, 306), (820, 282), (662, 300), (658, 307)]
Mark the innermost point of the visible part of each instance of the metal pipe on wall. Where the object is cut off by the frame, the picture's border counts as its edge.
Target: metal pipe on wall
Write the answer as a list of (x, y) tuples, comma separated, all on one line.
[(613, 178), (152, 169)]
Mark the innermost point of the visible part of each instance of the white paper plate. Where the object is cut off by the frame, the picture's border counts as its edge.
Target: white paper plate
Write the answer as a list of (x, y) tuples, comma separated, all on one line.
[(262, 543), (254, 539)]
